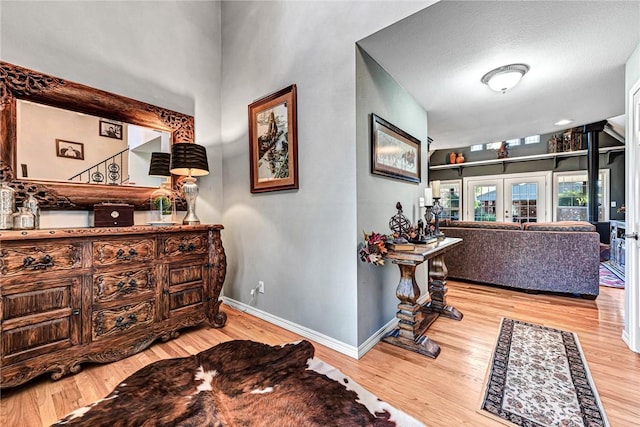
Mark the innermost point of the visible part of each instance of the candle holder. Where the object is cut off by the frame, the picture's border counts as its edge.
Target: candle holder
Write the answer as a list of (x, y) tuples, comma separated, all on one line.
[(436, 210)]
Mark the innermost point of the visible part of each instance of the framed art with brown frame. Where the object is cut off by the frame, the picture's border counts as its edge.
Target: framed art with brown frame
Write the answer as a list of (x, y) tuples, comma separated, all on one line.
[(273, 142), (110, 130), (70, 149), (394, 153)]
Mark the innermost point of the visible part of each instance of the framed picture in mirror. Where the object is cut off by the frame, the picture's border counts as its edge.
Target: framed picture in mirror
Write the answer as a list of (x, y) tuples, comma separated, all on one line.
[(110, 130), (70, 149)]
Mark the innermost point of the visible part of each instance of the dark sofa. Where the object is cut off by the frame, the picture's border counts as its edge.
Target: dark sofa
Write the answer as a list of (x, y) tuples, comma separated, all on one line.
[(558, 257)]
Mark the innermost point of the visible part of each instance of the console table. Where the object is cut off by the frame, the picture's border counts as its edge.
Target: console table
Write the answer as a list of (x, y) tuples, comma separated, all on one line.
[(70, 296), (413, 318)]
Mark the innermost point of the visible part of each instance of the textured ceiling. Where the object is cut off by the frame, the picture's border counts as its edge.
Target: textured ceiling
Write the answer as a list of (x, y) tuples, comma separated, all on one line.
[(576, 50)]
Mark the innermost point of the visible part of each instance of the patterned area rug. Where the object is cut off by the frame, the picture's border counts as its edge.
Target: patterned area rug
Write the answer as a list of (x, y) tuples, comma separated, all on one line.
[(241, 383), (608, 278), (538, 377)]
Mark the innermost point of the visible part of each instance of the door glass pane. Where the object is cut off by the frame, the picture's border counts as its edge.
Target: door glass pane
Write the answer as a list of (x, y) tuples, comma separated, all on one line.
[(450, 192), (524, 202), (484, 202)]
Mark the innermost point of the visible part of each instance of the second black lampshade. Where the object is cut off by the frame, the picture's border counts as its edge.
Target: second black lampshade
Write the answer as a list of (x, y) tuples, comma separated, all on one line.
[(189, 159), (159, 165)]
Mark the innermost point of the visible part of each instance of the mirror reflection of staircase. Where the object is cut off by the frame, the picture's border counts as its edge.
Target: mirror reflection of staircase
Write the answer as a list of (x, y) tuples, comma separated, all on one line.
[(108, 171)]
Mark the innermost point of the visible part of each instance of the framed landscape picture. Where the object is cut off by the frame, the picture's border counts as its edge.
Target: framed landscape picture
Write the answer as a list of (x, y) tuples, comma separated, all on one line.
[(394, 153), (273, 142)]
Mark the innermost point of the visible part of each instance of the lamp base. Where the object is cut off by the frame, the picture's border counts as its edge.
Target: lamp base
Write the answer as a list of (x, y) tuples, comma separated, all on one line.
[(190, 189), (192, 220)]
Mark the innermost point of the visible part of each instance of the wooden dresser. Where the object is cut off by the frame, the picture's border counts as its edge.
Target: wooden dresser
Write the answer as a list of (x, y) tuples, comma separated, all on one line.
[(69, 296)]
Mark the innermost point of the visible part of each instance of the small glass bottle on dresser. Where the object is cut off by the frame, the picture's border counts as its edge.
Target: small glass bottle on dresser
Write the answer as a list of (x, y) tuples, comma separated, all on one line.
[(7, 205), (32, 205), (23, 219)]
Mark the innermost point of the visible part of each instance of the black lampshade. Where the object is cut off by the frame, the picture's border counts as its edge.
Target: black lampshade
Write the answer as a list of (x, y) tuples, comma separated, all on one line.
[(189, 159), (159, 165)]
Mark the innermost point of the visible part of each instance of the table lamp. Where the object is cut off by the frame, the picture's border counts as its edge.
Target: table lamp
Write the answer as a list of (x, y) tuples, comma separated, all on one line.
[(189, 160), (162, 207)]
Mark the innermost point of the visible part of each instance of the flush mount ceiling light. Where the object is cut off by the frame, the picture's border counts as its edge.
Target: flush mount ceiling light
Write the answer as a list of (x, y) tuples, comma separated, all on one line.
[(504, 78), (563, 122)]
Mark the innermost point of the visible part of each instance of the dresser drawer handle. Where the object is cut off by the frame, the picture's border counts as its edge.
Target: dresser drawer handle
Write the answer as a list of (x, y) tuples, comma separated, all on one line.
[(123, 323), (44, 263), (128, 289), (186, 248), (75, 311), (121, 254)]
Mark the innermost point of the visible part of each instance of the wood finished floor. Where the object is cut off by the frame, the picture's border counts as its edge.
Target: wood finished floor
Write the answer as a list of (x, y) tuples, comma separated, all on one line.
[(441, 392)]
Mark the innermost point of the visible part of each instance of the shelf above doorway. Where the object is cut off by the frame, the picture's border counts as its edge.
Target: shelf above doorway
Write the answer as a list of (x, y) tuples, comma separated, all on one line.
[(556, 156)]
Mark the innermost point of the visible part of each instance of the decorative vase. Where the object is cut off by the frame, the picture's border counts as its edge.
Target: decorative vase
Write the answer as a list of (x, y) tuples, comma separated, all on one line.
[(452, 158), (460, 158)]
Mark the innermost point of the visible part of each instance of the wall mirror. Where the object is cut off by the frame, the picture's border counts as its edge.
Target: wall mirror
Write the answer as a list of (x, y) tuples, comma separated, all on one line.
[(74, 146)]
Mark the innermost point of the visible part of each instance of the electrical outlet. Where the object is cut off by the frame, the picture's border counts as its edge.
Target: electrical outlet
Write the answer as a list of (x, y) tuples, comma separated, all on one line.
[(261, 287), (253, 292)]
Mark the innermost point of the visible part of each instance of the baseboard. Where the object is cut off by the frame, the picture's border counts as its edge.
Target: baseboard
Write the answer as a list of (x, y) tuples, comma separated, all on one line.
[(625, 338), (629, 342), (322, 339), (376, 337), (325, 340)]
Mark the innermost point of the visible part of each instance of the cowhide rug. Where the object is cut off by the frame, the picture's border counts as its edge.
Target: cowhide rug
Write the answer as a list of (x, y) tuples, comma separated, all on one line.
[(240, 383)]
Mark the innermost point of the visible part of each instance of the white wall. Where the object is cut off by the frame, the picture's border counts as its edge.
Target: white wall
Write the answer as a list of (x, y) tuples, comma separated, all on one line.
[(165, 53), (302, 244), (378, 93)]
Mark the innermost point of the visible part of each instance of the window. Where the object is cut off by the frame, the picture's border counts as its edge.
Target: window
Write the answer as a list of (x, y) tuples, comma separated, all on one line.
[(450, 192), (570, 196), (534, 139), (513, 142)]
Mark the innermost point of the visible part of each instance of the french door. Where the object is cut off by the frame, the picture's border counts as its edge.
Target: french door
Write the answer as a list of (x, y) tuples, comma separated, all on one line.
[(512, 198), (631, 333)]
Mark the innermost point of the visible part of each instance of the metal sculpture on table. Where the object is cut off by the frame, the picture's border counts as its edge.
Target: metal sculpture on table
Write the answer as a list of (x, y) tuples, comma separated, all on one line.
[(400, 225)]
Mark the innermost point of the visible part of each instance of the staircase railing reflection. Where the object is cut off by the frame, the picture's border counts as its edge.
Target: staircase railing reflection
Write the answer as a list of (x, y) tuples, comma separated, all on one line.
[(108, 171)]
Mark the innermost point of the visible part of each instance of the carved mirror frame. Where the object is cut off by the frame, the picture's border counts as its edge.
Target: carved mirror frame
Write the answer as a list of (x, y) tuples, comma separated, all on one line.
[(22, 83)]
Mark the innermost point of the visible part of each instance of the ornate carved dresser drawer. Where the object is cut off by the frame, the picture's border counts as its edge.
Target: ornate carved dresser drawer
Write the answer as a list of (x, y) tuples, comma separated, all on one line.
[(122, 251), (70, 296), (18, 259)]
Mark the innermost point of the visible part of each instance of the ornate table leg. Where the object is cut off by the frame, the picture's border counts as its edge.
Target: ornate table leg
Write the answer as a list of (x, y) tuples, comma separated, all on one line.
[(438, 290), (411, 322)]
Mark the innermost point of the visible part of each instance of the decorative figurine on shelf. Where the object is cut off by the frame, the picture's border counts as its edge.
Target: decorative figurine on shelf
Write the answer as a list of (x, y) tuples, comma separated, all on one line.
[(553, 144), (452, 158), (460, 158), (503, 151)]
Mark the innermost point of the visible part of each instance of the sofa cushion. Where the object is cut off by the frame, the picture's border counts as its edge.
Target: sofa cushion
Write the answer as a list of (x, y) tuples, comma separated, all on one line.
[(559, 226), (487, 224)]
